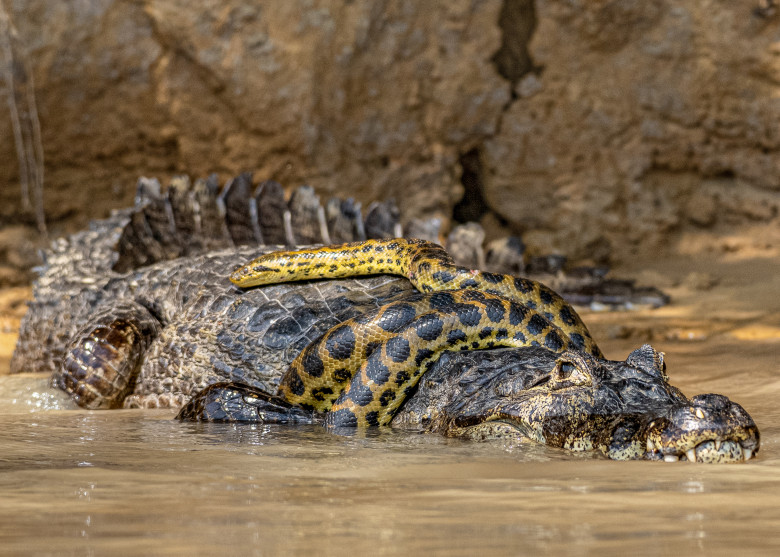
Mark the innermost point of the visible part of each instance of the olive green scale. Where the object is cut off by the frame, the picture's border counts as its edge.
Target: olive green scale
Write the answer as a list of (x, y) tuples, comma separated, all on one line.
[(362, 370)]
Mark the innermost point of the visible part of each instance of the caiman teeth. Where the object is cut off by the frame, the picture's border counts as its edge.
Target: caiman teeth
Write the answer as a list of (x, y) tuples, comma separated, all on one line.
[(707, 446)]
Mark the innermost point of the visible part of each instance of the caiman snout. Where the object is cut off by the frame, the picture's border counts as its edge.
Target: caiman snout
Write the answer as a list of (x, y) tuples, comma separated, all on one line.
[(710, 428)]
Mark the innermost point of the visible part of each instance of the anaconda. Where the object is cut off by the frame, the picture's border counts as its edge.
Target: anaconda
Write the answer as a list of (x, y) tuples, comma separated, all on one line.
[(360, 369), (151, 332)]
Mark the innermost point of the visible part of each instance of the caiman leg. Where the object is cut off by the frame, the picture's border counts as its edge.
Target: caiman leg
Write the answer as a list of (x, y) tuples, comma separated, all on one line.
[(103, 359), (231, 402)]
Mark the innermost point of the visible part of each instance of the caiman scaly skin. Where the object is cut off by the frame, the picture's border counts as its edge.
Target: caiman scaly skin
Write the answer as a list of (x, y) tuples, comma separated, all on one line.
[(131, 329), (571, 400)]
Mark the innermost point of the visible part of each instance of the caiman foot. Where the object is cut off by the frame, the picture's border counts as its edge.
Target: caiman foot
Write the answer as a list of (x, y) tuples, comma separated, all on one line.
[(232, 402)]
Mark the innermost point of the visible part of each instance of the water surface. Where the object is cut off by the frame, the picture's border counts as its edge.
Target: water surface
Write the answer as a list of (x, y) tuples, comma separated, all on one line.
[(136, 482), (76, 482)]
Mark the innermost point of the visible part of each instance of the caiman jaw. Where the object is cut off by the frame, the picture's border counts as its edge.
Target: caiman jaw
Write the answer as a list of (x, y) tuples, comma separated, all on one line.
[(710, 429), (718, 451)]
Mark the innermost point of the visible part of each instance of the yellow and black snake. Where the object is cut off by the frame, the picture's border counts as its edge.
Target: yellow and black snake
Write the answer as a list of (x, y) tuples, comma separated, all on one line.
[(363, 369)]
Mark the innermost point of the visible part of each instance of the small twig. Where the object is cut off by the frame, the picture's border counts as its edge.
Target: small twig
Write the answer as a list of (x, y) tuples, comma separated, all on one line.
[(8, 74), (25, 123)]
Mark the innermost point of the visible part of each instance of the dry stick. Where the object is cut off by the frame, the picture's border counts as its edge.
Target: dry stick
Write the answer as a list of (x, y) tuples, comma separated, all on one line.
[(29, 146), (35, 128), (8, 74)]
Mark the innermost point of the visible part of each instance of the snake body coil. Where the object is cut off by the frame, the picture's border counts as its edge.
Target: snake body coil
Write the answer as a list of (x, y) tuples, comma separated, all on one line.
[(363, 369)]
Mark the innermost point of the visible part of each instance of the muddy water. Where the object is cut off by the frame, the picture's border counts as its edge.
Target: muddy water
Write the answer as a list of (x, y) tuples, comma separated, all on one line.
[(139, 483)]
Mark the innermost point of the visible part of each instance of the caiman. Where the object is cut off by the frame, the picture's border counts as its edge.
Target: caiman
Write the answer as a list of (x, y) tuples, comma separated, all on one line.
[(138, 311)]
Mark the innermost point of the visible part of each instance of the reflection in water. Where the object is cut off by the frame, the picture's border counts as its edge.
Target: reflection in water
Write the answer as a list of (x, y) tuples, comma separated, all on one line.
[(25, 393), (142, 483)]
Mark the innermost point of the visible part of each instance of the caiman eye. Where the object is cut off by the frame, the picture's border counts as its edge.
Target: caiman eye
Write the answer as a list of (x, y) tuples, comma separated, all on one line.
[(570, 373), (566, 370)]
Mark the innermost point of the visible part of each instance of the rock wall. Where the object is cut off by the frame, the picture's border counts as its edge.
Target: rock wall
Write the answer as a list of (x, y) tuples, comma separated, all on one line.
[(372, 98), (640, 119), (598, 128)]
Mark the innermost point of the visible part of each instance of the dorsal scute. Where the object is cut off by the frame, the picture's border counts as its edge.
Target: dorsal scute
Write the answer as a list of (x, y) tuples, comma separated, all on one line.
[(189, 218)]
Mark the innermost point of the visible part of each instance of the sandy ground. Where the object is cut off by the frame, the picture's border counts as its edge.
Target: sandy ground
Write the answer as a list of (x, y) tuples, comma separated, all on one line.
[(13, 305), (725, 288)]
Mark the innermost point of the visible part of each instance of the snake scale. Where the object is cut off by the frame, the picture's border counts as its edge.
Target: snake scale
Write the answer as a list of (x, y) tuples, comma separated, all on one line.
[(362, 370)]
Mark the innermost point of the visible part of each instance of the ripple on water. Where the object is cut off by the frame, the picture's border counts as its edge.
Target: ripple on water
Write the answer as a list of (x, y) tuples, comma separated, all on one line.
[(31, 392), (98, 480)]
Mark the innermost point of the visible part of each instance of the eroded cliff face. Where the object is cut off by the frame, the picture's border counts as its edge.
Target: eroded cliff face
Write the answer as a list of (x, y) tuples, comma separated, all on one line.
[(596, 128), (369, 98), (643, 118)]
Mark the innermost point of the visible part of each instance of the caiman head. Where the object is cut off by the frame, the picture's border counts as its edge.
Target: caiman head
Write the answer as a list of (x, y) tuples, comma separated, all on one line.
[(625, 410)]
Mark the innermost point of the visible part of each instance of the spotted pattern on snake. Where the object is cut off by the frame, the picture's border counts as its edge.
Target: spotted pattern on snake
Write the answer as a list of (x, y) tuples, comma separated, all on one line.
[(363, 369)]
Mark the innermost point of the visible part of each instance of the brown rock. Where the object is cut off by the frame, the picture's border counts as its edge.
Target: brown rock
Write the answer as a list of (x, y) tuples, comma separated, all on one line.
[(639, 105), (367, 99), (617, 125)]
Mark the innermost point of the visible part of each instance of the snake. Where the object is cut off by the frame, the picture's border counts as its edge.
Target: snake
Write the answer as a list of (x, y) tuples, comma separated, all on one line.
[(362, 370)]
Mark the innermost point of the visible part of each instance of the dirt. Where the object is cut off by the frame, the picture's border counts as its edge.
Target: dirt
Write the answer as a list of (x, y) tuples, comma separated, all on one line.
[(13, 305), (724, 314)]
